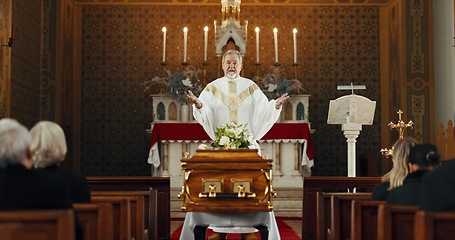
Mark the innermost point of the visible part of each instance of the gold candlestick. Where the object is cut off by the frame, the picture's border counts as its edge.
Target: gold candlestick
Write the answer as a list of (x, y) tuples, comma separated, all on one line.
[(204, 72), (400, 126), (386, 152), (163, 69), (257, 70), (295, 70)]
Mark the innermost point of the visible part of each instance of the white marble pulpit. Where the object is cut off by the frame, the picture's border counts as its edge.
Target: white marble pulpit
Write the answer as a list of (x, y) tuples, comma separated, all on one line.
[(351, 112)]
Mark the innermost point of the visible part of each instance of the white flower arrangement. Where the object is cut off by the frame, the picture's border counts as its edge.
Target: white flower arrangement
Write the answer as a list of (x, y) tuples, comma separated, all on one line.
[(232, 136)]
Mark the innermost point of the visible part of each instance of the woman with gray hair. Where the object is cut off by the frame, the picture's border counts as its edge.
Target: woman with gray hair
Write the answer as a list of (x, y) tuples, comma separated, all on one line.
[(22, 187), (49, 149)]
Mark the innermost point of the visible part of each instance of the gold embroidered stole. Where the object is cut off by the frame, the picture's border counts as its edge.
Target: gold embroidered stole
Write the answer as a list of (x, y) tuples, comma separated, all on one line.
[(232, 100)]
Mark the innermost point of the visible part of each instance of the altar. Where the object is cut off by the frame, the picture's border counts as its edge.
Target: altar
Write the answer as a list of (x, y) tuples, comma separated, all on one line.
[(288, 144)]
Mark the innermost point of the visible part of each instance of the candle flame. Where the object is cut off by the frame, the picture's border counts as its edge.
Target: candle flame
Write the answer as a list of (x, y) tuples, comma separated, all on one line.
[(164, 29), (295, 30), (257, 29), (275, 30), (185, 29), (206, 28)]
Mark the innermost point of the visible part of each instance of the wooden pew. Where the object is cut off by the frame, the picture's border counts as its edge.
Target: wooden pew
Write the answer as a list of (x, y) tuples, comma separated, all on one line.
[(434, 225), (324, 209), (42, 224), (122, 215), (396, 222), (160, 213), (340, 214), (322, 215), (140, 210), (97, 220), (312, 185), (364, 219), (11, 231)]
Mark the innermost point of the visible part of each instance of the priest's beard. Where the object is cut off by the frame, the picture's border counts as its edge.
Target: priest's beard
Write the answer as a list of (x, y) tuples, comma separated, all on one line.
[(231, 74)]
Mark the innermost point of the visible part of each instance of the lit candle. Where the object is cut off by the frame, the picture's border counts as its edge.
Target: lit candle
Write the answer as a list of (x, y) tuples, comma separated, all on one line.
[(275, 39), (294, 37), (257, 44), (206, 36), (164, 44), (185, 37)]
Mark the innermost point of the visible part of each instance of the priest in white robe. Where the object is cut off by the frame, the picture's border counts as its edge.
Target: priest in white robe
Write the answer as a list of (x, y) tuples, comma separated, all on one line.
[(233, 98)]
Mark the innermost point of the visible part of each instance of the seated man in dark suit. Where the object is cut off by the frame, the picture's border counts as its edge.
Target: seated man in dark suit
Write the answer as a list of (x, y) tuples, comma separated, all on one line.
[(438, 188), (21, 187)]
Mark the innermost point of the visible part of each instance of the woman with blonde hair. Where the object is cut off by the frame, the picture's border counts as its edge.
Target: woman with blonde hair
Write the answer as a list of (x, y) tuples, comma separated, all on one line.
[(395, 177)]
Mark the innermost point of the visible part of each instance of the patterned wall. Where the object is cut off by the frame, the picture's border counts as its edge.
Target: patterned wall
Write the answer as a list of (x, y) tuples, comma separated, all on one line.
[(25, 71), (122, 47)]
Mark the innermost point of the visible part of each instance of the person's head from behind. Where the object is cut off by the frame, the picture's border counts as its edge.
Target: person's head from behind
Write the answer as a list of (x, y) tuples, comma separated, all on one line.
[(232, 64), (14, 144), (400, 154), (423, 156), (48, 144)]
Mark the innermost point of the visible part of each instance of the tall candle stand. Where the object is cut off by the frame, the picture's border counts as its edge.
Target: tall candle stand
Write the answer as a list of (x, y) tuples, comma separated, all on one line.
[(400, 126), (295, 70), (204, 72), (257, 69), (163, 68), (257, 79)]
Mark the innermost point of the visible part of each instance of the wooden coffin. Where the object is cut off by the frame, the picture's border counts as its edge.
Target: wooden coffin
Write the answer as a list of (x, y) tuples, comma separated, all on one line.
[(226, 181)]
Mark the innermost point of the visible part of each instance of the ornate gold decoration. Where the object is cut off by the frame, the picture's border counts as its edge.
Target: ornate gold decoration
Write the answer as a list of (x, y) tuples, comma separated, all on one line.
[(400, 126)]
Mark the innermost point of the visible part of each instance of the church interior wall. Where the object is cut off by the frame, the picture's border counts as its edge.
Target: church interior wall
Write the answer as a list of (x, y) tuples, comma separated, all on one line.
[(122, 47), (25, 62), (119, 46)]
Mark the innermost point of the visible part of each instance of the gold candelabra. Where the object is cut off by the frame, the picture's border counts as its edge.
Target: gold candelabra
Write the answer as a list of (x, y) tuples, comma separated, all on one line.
[(400, 126)]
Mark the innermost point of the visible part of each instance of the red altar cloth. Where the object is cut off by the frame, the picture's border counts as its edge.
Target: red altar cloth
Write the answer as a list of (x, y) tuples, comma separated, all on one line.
[(195, 132)]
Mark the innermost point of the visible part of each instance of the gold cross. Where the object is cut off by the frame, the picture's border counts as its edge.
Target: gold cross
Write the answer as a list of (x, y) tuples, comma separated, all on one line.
[(400, 126)]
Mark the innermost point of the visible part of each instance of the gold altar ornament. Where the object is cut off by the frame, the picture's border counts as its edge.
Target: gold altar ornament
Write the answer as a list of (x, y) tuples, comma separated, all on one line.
[(400, 126)]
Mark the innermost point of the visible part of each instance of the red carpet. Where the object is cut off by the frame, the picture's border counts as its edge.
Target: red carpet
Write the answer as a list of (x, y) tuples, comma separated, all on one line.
[(286, 232)]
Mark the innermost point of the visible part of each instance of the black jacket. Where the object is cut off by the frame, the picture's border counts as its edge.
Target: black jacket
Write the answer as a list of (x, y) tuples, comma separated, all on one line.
[(438, 188), (22, 188), (380, 191), (409, 192), (78, 187)]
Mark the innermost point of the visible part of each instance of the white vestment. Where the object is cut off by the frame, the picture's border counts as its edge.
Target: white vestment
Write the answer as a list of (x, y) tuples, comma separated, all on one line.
[(238, 100), (241, 101)]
